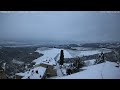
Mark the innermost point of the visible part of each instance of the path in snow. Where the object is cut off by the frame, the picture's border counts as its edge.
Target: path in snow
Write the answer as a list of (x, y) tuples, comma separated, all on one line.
[(59, 71)]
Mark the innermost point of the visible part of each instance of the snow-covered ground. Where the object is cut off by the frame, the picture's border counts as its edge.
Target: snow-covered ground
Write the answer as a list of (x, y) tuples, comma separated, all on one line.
[(32, 73), (52, 55), (59, 71), (39, 50), (105, 70), (87, 52), (17, 62), (92, 52), (90, 62), (81, 48)]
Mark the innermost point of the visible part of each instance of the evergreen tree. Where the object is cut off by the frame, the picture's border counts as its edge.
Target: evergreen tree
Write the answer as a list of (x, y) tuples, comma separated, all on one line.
[(61, 57), (117, 57), (68, 71)]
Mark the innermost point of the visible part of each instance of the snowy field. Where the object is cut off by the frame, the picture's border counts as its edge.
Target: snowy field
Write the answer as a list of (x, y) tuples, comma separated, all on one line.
[(81, 48), (105, 70), (52, 52), (87, 52)]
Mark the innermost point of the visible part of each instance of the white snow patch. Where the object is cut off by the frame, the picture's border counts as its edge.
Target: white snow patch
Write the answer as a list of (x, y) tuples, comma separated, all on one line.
[(64, 71), (17, 62), (22, 74), (3, 66), (30, 53), (59, 71), (90, 62)]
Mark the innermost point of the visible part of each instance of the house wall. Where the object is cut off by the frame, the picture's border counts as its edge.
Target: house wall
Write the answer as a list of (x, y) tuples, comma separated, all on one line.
[(18, 77), (3, 75), (49, 70)]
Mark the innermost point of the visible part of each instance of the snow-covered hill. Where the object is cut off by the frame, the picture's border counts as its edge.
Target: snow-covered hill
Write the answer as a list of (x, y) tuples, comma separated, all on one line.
[(87, 51), (107, 70)]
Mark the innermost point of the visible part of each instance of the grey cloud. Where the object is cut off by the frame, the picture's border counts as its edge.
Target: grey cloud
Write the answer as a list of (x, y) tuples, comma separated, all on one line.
[(60, 25)]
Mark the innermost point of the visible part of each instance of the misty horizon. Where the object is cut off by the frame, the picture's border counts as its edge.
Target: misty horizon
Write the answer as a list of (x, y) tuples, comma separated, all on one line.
[(60, 26)]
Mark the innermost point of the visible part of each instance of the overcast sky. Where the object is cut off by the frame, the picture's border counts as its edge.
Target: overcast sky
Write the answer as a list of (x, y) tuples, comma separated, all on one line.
[(60, 25)]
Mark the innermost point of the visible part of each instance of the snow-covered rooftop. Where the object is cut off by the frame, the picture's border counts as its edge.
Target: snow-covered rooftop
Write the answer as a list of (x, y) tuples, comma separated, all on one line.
[(46, 60), (49, 56), (32, 73)]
